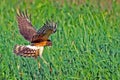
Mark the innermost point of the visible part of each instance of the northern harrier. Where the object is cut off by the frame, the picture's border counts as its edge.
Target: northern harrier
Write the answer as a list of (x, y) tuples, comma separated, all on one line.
[(38, 39)]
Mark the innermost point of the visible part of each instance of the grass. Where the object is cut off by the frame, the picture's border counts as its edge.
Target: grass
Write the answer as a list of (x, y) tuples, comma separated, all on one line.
[(85, 46)]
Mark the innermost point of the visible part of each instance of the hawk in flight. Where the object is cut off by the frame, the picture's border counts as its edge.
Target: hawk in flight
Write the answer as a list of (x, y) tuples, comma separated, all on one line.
[(38, 39)]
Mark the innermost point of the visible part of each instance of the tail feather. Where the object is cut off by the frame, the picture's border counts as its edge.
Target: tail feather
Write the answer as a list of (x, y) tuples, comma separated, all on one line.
[(26, 51)]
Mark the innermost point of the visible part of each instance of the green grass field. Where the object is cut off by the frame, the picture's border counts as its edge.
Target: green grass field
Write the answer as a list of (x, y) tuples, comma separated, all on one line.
[(86, 45)]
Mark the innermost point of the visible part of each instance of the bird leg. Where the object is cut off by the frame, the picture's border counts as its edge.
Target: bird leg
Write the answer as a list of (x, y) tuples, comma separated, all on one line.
[(37, 62), (44, 60)]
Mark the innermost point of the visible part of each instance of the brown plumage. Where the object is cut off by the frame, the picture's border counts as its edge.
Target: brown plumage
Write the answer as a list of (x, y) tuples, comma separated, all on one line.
[(38, 39), (25, 26)]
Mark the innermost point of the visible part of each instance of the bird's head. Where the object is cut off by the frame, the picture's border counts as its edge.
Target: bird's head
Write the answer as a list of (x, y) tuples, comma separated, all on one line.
[(49, 43)]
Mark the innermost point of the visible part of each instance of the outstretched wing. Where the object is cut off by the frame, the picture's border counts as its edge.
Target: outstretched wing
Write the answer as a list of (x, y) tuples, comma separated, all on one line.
[(28, 51), (25, 26), (44, 32)]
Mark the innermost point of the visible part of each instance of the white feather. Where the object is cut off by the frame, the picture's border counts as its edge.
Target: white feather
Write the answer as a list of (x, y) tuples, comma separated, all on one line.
[(32, 47)]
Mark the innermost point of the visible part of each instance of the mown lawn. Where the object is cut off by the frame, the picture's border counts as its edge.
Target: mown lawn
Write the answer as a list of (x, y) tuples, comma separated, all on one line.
[(86, 45)]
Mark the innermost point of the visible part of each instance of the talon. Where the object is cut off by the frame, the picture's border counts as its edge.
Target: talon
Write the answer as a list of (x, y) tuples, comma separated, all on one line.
[(38, 65)]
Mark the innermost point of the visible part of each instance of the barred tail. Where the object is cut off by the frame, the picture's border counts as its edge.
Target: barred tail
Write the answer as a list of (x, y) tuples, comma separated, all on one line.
[(25, 51), (17, 49)]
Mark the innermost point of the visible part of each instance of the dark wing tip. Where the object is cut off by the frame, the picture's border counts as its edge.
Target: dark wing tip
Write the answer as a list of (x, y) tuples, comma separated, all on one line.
[(49, 25), (23, 14)]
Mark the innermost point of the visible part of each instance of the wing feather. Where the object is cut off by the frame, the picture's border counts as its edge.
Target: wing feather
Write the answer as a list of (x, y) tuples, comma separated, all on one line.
[(44, 32), (25, 26)]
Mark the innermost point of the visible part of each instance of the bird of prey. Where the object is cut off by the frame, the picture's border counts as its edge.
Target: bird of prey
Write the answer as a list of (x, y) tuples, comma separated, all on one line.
[(38, 39)]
